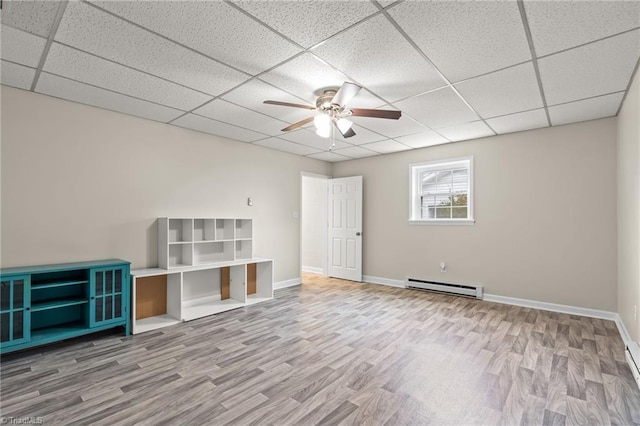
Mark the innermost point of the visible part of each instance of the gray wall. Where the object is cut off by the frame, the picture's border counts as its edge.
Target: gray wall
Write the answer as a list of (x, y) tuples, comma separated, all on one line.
[(545, 209), (629, 209), (81, 183), (314, 206)]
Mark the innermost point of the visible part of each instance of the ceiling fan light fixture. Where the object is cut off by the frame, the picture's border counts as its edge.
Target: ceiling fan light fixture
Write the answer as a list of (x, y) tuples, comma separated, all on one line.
[(324, 132), (344, 125), (322, 121)]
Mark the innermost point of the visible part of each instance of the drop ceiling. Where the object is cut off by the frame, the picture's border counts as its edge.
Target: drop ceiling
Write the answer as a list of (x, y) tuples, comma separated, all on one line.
[(457, 70)]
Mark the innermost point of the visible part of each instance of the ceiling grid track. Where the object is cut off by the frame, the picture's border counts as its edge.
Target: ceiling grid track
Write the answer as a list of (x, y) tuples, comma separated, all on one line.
[(536, 68), (62, 5), (626, 92)]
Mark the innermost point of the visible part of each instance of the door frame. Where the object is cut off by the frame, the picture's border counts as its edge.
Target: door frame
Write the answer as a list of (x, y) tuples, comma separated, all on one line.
[(325, 230)]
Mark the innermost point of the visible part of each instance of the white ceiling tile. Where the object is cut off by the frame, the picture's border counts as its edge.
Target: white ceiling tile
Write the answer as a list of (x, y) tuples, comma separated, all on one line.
[(390, 128), (253, 93), (438, 109), (233, 114), (362, 136), (286, 146), (386, 147), (518, 122), (95, 31), (304, 75), (329, 156), (595, 69), (86, 68), (78, 92), (511, 90), (21, 47), (588, 109), (559, 25), (465, 38), (218, 128), (309, 138), (214, 28), (15, 75), (423, 139), (466, 131), (378, 56), (309, 22), (355, 152), (33, 16)]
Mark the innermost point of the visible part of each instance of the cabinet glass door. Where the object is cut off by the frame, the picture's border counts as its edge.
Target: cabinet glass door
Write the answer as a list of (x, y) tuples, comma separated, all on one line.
[(107, 295), (14, 310)]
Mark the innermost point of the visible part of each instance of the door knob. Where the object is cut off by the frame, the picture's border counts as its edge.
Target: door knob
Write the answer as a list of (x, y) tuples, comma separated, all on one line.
[(358, 234)]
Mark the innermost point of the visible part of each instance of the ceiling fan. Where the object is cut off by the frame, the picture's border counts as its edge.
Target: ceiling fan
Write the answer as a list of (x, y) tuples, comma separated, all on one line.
[(331, 106)]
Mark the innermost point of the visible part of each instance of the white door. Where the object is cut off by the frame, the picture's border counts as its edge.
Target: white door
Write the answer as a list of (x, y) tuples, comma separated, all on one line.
[(345, 228)]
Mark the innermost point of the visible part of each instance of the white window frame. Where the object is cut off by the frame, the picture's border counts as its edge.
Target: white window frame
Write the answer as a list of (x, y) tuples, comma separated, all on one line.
[(415, 170)]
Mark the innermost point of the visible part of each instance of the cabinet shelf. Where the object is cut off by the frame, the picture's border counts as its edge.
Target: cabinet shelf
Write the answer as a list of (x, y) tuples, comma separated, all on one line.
[(52, 333), (56, 303), (40, 286)]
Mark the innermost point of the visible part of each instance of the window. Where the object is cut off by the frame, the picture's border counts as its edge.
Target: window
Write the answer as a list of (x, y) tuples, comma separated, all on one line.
[(442, 192)]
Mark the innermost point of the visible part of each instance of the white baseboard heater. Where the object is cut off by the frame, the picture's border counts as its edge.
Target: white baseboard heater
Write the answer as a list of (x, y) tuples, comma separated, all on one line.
[(457, 289), (634, 364)]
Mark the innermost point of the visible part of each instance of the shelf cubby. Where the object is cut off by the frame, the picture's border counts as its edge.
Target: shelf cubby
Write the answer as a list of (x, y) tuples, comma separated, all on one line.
[(180, 255), (225, 229), (204, 230), (212, 252), (180, 230), (259, 281), (157, 301), (210, 291), (244, 229), (243, 249)]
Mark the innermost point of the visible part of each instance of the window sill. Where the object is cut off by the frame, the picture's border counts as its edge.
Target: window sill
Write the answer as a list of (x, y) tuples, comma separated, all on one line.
[(442, 222)]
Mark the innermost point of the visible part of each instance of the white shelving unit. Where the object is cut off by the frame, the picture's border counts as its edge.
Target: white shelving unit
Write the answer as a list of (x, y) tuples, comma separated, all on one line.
[(197, 291), (201, 241), (206, 267)]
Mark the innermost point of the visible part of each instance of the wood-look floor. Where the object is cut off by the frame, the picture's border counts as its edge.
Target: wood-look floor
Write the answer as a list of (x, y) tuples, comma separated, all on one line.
[(337, 352)]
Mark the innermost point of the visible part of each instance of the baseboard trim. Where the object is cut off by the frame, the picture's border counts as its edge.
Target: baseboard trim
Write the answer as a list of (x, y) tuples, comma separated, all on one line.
[(312, 269), (287, 283), (383, 281), (553, 307)]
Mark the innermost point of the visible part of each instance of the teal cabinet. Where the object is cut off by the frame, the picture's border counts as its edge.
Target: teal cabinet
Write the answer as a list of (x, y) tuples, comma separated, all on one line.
[(48, 303), (14, 310)]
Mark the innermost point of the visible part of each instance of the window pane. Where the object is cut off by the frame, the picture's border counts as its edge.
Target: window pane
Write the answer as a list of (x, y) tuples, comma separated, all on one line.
[(18, 325), (443, 212), (460, 180), (4, 327), (108, 307), (460, 200), (430, 213), (98, 304), (118, 288), (459, 212), (109, 282), (99, 283), (18, 294), (5, 295)]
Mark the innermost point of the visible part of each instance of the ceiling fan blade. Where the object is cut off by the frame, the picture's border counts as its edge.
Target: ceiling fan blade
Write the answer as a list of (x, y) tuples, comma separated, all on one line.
[(349, 133), (375, 113), (289, 104), (298, 124), (345, 93)]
